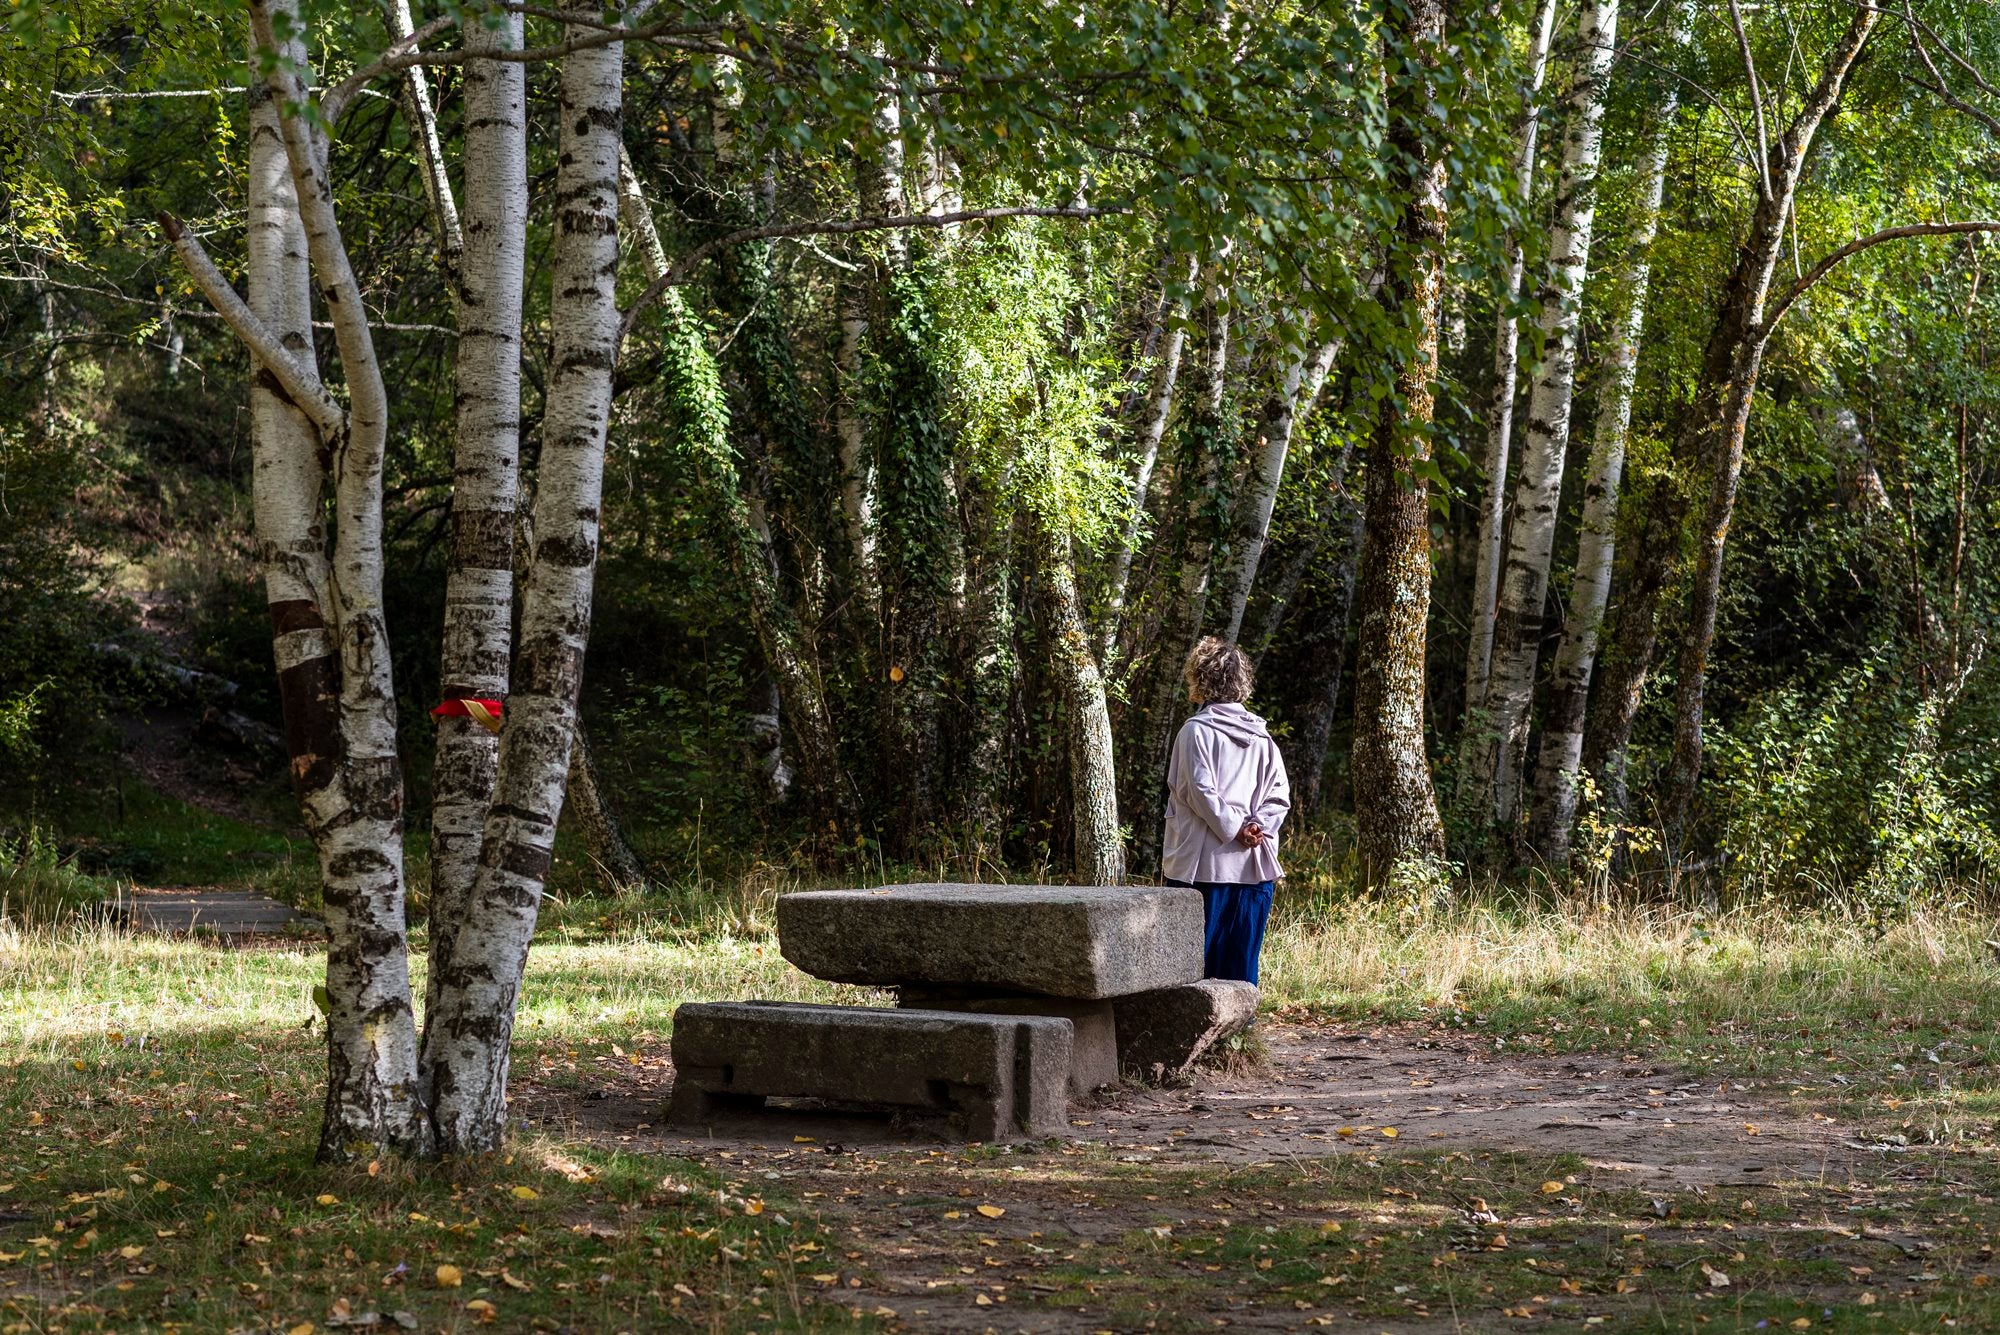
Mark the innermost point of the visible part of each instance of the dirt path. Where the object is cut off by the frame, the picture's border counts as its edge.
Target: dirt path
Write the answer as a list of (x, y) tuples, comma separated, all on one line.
[(1335, 1089)]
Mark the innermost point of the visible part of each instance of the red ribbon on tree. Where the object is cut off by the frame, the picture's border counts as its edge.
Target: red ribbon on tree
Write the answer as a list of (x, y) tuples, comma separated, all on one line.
[(486, 713)]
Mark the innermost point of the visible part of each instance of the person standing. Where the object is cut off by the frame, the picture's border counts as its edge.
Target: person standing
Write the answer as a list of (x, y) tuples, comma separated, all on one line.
[(1227, 794)]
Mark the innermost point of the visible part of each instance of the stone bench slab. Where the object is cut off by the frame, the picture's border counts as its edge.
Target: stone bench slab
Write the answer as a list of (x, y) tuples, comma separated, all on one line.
[(996, 1076), (1093, 1053), (1088, 943)]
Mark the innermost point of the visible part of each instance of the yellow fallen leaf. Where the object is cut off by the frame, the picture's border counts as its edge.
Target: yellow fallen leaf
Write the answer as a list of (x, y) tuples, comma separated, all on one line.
[(753, 1206), (1343, 1131), (954, 1214), (1552, 1188), (1329, 1227), (991, 1211), (482, 1309), (526, 1194), (449, 1277), (131, 1253), (11, 1256), (79, 1066), (327, 1198), (982, 1300), (508, 1278), (805, 1140), (162, 1185), (303, 1328), (824, 1279), (1866, 1300), (1390, 1132)]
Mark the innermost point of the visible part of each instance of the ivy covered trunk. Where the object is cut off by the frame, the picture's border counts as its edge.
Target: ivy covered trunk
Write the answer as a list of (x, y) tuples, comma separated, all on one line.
[(1395, 807), (468, 1037), (479, 563), (1557, 773), (1517, 638), (1329, 617)]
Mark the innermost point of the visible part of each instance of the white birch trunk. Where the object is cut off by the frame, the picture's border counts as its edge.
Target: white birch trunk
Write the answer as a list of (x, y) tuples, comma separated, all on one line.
[(468, 1039), (1093, 774), (1152, 430), (1506, 368), (1531, 544), (1305, 374), (479, 577), (424, 131), (1561, 755), (357, 822)]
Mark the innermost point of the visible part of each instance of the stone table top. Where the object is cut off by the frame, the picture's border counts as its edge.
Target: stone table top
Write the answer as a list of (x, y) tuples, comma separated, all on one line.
[(1083, 942)]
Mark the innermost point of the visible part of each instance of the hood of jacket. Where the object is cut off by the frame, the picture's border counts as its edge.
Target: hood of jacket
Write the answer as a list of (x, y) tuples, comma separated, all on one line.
[(1233, 721)]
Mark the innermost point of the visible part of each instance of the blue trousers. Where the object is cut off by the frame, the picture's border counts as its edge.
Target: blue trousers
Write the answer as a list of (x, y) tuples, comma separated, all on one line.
[(1236, 918)]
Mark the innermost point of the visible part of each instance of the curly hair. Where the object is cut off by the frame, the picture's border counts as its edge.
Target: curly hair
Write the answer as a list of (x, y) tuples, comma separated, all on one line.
[(1217, 672)]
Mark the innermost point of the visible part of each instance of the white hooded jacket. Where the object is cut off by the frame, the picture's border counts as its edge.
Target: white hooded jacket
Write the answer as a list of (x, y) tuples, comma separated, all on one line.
[(1225, 771)]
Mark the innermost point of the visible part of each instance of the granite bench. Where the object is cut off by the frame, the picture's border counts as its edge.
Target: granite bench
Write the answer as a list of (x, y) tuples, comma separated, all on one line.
[(994, 1076)]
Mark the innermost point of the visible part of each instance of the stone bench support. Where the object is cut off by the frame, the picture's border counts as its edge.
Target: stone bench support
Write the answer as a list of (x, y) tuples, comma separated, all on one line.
[(996, 1076), (1093, 1052)]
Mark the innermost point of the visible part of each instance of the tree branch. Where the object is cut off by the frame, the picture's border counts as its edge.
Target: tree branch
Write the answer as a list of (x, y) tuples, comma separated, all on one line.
[(1825, 266), (1756, 100), (334, 101), (303, 388), (839, 227)]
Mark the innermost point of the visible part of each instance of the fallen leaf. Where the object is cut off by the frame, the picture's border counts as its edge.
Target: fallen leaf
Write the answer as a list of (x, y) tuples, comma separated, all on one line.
[(982, 1300), (449, 1277), (303, 1328), (1716, 1279), (407, 1320), (1866, 1300), (805, 1140), (484, 1310), (511, 1281), (326, 1198), (1552, 1188), (1390, 1132), (991, 1211), (753, 1207), (954, 1214), (526, 1194)]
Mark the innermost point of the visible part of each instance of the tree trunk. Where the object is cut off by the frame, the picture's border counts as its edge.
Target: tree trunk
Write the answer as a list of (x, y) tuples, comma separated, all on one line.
[(857, 500), (618, 864), (1326, 655), (1722, 407), (1499, 763), (1562, 730), (1506, 368), (1305, 374), (479, 566), (691, 386), (1093, 777), (1395, 805), (468, 1040), (356, 821), (992, 663), (1152, 430)]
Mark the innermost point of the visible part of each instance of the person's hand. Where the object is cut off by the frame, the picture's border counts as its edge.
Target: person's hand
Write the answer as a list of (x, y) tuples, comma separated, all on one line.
[(1251, 835)]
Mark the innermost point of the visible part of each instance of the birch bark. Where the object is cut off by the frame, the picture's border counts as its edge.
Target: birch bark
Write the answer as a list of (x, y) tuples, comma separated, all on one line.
[(372, 1093), (1517, 639), (1590, 592), (1093, 777), (1305, 374), (1395, 805), (479, 568), (468, 1038), (1506, 368), (1326, 640), (1152, 430)]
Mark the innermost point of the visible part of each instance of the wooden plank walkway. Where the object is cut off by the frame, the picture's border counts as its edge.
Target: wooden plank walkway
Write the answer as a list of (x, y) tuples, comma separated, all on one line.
[(182, 912)]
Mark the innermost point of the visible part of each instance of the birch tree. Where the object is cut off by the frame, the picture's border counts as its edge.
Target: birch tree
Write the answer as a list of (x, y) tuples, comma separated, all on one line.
[(488, 260), (1305, 373), (1561, 755), (468, 1035), (331, 641), (1531, 544), (1506, 367)]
